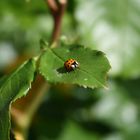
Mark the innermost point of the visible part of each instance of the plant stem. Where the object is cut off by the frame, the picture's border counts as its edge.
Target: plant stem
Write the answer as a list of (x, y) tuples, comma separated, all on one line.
[(57, 11)]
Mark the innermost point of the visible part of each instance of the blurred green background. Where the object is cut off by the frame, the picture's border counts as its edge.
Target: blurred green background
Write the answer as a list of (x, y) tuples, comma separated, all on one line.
[(112, 26)]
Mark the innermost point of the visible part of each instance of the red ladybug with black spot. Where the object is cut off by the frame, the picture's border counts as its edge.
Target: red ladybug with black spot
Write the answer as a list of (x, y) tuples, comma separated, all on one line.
[(71, 64)]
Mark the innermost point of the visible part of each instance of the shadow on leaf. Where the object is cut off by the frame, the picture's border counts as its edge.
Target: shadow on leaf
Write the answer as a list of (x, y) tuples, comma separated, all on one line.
[(61, 70)]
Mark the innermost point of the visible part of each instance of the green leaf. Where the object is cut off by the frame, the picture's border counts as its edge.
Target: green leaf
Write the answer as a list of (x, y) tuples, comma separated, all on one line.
[(91, 72), (12, 87)]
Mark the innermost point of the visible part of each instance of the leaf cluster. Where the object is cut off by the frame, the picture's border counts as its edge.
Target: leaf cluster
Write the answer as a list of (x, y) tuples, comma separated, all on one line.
[(91, 73)]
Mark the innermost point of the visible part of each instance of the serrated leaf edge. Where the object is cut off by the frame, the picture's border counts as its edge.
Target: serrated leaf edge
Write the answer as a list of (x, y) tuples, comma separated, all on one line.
[(100, 83)]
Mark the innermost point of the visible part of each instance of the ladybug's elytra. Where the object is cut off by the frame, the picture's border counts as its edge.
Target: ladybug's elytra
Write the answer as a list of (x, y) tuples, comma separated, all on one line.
[(71, 64)]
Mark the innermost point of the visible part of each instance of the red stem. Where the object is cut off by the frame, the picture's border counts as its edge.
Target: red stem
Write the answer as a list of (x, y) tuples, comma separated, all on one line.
[(57, 13)]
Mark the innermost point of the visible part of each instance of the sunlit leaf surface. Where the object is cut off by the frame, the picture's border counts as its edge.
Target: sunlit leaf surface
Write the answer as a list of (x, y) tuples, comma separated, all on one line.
[(92, 70)]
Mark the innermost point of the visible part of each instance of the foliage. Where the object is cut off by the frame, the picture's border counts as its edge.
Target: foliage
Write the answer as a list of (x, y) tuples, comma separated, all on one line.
[(91, 72), (73, 112), (16, 85), (13, 87)]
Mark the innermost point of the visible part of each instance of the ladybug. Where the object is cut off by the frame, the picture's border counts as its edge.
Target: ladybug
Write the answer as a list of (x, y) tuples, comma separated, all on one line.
[(71, 64)]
